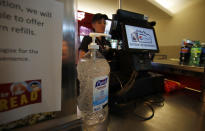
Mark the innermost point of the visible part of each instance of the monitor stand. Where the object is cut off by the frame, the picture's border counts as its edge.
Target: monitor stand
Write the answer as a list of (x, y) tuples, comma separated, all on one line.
[(141, 61), (143, 83)]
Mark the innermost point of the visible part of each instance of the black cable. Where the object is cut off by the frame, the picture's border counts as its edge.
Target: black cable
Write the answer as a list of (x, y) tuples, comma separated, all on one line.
[(157, 100), (149, 117), (149, 101), (137, 104), (118, 79)]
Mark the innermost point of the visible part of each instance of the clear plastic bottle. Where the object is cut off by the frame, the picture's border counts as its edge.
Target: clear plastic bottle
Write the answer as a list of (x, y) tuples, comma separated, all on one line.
[(202, 57), (93, 71), (195, 54), (185, 52)]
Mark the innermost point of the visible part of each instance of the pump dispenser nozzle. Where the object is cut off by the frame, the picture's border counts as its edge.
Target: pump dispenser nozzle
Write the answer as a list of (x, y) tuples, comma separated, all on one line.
[(93, 45)]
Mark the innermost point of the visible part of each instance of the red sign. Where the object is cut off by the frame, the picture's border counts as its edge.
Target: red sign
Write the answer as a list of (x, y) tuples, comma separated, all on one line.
[(18, 94)]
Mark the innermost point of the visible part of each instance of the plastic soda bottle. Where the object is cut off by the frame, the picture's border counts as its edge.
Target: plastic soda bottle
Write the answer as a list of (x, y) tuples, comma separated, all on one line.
[(195, 54)]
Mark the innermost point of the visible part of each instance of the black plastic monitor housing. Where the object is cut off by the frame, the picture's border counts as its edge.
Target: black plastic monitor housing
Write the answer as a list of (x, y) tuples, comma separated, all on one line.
[(122, 18)]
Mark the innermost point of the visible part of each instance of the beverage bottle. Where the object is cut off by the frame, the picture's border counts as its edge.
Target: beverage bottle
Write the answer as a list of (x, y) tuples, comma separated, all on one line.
[(184, 53), (93, 75), (202, 57), (195, 54)]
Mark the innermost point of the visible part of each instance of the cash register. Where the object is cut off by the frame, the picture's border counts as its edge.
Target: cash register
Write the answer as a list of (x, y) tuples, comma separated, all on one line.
[(130, 76)]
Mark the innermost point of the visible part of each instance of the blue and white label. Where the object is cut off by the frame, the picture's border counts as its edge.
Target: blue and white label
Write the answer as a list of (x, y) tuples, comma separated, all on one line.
[(100, 92)]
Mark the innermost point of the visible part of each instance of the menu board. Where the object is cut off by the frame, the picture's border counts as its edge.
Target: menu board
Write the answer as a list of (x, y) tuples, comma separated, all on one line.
[(30, 57)]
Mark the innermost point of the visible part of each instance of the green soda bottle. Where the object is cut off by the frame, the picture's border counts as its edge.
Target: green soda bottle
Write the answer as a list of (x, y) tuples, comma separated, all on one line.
[(195, 54)]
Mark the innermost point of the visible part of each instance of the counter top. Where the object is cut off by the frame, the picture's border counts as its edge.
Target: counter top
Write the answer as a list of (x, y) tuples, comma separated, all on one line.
[(175, 64), (182, 111)]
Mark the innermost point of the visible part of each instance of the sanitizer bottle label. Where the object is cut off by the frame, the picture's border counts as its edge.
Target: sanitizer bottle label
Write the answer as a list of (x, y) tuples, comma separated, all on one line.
[(100, 92)]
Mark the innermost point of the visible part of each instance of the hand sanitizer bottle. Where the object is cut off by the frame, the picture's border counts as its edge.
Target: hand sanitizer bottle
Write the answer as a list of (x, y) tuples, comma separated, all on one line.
[(93, 74)]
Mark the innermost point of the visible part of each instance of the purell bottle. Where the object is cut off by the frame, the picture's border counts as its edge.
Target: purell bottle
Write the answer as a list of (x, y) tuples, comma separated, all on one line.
[(93, 71)]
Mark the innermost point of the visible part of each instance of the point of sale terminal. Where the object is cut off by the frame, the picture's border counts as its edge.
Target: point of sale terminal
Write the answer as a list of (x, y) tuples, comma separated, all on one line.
[(130, 76)]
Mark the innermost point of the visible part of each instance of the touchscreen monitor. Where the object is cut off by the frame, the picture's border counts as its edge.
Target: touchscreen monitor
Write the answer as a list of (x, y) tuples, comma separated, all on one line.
[(141, 38)]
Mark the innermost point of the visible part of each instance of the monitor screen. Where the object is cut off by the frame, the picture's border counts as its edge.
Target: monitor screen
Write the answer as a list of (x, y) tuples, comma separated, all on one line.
[(141, 38)]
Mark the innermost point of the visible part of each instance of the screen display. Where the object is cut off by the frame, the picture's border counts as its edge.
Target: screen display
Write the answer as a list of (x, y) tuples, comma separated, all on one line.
[(140, 38)]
